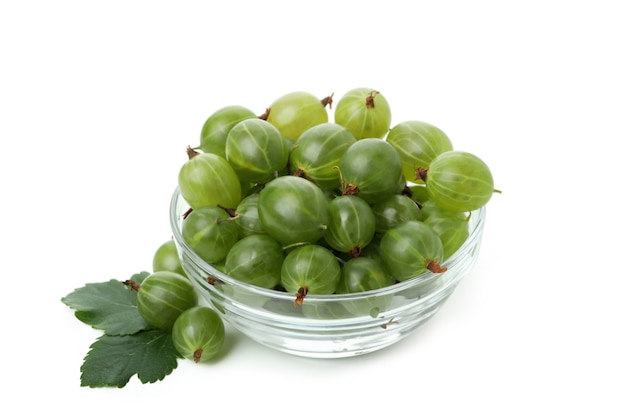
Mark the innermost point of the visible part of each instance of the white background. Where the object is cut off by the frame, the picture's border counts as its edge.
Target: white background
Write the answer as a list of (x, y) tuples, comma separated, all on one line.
[(98, 101)]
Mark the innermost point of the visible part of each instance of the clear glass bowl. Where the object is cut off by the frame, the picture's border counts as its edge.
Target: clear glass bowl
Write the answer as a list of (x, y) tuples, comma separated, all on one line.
[(327, 326)]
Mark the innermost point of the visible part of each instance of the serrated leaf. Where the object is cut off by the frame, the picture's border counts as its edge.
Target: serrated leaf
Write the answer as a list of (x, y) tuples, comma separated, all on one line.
[(113, 360), (109, 306)]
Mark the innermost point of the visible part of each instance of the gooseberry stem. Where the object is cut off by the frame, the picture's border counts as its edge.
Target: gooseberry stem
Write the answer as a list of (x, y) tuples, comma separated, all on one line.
[(328, 101), (187, 213), (131, 284), (421, 173), (346, 189), (369, 100), (302, 292), (230, 211), (191, 152), (433, 266), (266, 114), (299, 173)]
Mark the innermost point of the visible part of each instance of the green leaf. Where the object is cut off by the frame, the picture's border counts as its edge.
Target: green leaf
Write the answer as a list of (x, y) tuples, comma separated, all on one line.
[(110, 306), (113, 360)]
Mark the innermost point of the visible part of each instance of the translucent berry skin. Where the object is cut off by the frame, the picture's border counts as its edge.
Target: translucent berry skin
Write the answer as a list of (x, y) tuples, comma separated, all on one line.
[(198, 334), (163, 296), (459, 181), (247, 216), (373, 167), (363, 274), (365, 112), (295, 112), (166, 258), (209, 180), (394, 210), (417, 143), (216, 127), (452, 227), (408, 249), (351, 226), (312, 267), (256, 260), (293, 210), (210, 233), (256, 150), (318, 152)]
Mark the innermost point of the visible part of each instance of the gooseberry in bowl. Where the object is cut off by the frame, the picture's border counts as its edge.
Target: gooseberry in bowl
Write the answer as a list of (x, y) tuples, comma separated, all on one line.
[(327, 324)]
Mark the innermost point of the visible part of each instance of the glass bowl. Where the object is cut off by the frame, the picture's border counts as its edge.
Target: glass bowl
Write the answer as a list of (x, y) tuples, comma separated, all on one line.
[(327, 326)]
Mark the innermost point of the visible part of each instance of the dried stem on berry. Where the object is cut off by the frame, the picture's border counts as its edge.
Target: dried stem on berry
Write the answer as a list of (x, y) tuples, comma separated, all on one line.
[(350, 189), (346, 189), (302, 292), (299, 173), (131, 284), (328, 101), (434, 266), (369, 100), (266, 114), (230, 211), (191, 152), (197, 355), (421, 173), (211, 280), (187, 213), (355, 252)]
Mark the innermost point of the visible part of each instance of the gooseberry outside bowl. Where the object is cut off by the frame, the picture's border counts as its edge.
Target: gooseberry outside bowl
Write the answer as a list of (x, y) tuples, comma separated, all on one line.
[(328, 326)]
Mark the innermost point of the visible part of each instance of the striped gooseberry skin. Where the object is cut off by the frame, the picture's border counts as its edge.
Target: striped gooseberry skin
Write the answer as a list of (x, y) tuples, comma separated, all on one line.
[(351, 225), (256, 150), (363, 274), (318, 152), (410, 249), (459, 181), (166, 258), (365, 112), (310, 269), (293, 210), (163, 296), (210, 233), (371, 169), (417, 143), (208, 180), (295, 112), (198, 334), (216, 127), (452, 228), (393, 210), (256, 260), (247, 216)]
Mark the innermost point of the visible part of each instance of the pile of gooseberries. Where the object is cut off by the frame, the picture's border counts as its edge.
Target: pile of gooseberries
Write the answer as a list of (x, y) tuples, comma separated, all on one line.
[(291, 201), (168, 301)]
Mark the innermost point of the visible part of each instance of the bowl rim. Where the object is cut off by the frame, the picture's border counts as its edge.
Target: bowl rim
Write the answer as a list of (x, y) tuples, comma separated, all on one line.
[(478, 220)]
